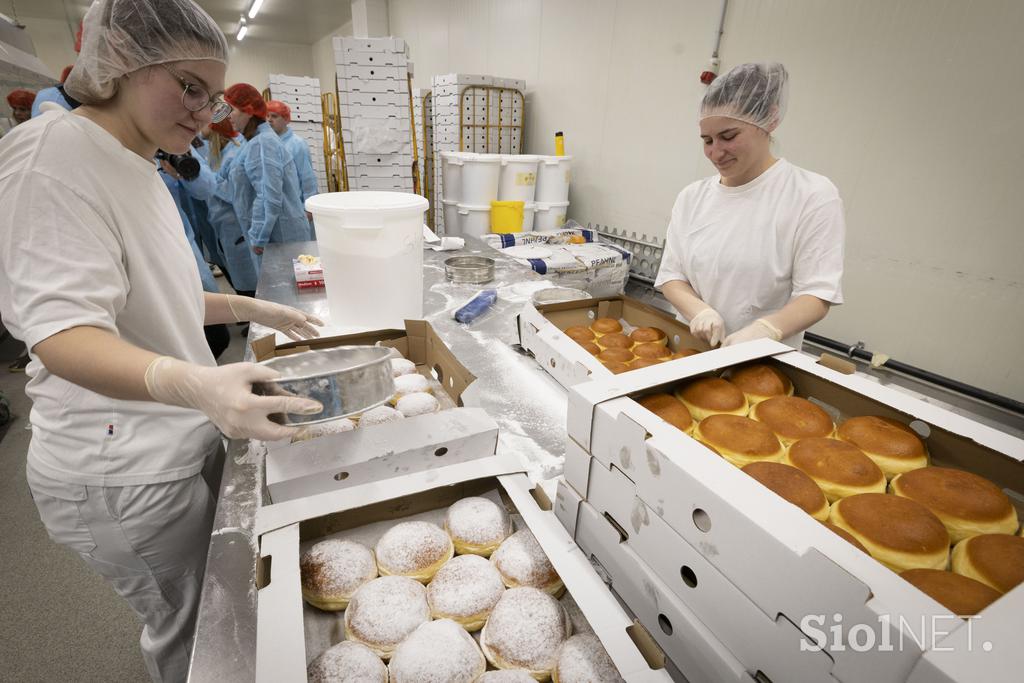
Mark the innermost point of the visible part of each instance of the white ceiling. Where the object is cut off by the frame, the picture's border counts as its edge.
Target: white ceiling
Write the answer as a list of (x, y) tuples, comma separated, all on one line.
[(286, 21)]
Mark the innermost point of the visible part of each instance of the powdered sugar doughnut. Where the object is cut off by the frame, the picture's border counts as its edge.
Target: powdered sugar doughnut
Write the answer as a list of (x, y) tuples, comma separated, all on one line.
[(522, 562), (402, 366), (465, 590), (477, 525), (582, 659), (411, 405), (384, 611), (333, 427), (410, 384), (332, 570), (507, 676), (413, 549), (379, 415), (524, 631), (347, 662), (437, 652)]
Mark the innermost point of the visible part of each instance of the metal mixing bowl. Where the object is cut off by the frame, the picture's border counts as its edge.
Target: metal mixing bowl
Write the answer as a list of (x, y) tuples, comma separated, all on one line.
[(345, 379)]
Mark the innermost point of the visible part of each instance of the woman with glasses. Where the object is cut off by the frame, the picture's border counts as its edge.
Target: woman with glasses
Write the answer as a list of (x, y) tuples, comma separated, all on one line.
[(264, 181), (98, 279)]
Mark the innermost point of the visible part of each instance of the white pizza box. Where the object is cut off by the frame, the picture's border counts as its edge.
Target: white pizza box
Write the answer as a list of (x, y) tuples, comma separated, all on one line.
[(372, 73), (355, 58), (461, 79), (381, 85), (353, 44), (374, 99), (281, 640), (730, 518)]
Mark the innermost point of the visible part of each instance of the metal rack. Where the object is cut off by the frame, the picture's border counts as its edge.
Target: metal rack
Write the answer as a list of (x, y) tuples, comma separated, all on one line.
[(415, 149), (428, 158), (469, 98), (334, 149), (646, 250)]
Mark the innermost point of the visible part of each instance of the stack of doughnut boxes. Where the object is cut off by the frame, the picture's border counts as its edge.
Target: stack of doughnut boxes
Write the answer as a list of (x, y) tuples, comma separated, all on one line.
[(373, 98), (302, 95), (738, 584)]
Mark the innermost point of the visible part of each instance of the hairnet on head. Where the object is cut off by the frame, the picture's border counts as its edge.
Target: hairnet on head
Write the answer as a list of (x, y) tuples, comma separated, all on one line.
[(224, 128), (21, 98), (246, 98), (755, 93), (122, 36), (281, 109)]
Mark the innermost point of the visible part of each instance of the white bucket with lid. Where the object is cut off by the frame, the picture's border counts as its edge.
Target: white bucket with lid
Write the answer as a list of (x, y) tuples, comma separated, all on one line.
[(371, 248), (550, 215), (474, 220), (480, 174), (518, 180), (529, 210), (451, 217), (553, 177), (451, 175)]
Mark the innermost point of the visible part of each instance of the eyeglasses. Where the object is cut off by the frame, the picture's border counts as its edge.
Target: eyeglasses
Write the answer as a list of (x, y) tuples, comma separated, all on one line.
[(196, 98)]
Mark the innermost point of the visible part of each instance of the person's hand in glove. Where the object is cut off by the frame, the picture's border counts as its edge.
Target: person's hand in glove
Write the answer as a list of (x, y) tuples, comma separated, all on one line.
[(708, 326), (759, 329), (293, 322), (224, 394)]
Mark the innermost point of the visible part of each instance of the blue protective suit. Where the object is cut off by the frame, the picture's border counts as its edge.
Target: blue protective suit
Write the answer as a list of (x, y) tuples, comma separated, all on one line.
[(214, 188), (174, 187), (198, 214), (51, 94), (299, 151), (265, 191)]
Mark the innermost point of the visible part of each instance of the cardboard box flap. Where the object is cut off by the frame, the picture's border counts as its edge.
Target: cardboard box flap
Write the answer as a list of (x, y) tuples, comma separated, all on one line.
[(281, 651)]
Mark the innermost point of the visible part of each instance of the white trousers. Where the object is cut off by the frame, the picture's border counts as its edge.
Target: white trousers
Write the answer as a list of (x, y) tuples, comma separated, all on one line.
[(149, 542)]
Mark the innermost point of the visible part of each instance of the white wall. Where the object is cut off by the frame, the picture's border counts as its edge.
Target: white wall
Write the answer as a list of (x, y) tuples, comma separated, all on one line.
[(912, 108), (251, 61), (323, 57), (54, 41)]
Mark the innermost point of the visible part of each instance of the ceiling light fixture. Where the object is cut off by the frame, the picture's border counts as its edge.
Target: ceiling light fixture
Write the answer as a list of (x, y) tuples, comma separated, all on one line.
[(254, 10), (241, 32)]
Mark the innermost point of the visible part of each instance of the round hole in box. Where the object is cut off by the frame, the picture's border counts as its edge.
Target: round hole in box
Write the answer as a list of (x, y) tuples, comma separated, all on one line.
[(451, 382), (378, 160), (371, 59), (341, 476), (552, 362), (372, 72), (702, 520), (922, 429), (689, 578), (676, 340), (374, 99), (440, 451), (665, 624), (437, 373)]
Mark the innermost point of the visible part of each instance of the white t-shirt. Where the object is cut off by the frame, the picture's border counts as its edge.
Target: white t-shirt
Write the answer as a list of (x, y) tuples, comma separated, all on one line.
[(748, 250), (89, 235)]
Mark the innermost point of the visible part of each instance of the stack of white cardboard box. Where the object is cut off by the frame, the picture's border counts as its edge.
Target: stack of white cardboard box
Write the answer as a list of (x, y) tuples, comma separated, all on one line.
[(302, 95), (693, 544), (376, 124), (450, 108)]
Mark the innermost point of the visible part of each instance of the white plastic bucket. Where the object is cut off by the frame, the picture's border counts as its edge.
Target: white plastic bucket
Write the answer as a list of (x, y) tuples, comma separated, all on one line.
[(451, 175), (549, 215), (518, 180), (474, 220), (529, 209), (371, 247), (451, 217), (480, 174), (553, 177)]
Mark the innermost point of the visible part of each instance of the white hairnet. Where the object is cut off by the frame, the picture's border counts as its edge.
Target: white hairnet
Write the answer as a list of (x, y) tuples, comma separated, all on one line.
[(122, 36), (755, 93)]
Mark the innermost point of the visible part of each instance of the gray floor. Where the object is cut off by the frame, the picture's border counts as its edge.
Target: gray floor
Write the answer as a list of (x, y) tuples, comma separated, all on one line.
[(60, 622)]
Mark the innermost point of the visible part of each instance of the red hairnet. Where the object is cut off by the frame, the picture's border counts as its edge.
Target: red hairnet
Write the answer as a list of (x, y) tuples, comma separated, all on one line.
[(21, 98), (244, 97), (224, 128), (65, 72), (281, 109)]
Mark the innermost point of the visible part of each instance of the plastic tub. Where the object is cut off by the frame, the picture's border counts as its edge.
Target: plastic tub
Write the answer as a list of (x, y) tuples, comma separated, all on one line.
[(518, 180), (480, 174), (451, 175), (529, 209), (553, 177), (550, 216), (451, 217), (474, 219), (506, 217), (371, 248)]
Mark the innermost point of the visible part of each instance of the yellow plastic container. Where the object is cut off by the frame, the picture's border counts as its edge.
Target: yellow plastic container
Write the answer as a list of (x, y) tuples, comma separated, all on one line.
[(506, 217)]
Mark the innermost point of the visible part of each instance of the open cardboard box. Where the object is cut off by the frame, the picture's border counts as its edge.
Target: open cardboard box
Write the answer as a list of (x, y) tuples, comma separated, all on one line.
[(281, 651), (788, 564), (540, 331)]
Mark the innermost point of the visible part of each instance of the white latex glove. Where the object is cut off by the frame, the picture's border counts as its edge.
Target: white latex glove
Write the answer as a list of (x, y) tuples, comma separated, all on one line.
[(293, 322), (759, 329), (224, 393), (708, 326)]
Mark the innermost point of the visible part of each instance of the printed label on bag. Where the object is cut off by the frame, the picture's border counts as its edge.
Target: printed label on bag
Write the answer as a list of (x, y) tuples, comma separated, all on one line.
[(526, 178)]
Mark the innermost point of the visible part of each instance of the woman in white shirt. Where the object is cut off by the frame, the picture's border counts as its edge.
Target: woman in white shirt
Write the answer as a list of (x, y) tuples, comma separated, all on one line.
[(757, 250), (98, 279)]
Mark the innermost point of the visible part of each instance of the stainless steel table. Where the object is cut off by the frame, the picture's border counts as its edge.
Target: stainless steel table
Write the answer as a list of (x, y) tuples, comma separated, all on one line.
[(528, 405)]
